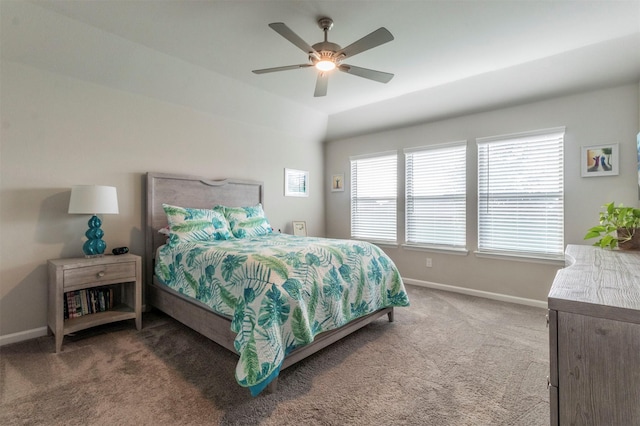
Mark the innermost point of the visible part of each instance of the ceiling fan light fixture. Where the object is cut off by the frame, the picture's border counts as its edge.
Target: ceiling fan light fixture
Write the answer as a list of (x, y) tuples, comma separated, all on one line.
[(325, 65)]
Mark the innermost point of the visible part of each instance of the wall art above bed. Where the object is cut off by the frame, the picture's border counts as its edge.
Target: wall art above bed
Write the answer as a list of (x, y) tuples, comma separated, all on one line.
[(296, 183)]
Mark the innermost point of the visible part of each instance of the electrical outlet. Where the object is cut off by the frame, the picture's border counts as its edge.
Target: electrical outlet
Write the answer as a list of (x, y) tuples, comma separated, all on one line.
[(429, 263)]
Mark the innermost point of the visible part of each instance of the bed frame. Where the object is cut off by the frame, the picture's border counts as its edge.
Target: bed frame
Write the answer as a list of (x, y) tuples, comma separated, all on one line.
[(195, 192)]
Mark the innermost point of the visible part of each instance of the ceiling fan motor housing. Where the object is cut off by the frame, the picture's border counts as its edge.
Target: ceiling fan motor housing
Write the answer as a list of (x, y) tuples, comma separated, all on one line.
[(327, 50)]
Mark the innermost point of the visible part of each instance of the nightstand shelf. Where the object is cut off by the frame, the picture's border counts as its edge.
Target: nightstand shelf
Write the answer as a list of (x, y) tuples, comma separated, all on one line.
[(122, 274), (117, 313)]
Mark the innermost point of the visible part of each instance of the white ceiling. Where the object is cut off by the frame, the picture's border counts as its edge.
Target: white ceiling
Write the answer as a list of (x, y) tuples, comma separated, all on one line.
[(448, 57)]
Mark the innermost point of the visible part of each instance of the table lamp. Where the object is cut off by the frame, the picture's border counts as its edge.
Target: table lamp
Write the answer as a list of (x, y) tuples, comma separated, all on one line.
[(94, 200)]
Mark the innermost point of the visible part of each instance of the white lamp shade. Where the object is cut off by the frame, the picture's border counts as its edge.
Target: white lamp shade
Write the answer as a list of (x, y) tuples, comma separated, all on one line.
[(93, 199)]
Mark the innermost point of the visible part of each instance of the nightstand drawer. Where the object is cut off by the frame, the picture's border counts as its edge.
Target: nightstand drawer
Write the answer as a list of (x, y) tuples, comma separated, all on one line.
[(99, 274)]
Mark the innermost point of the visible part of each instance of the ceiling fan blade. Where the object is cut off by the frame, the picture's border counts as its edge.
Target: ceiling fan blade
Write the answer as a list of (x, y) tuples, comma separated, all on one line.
[(382, 77), (321, 84), (287, 33), (285, 68), (371, 40)]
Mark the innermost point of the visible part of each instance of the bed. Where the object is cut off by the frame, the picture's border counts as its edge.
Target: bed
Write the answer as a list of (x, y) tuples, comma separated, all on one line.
[(271, 298)]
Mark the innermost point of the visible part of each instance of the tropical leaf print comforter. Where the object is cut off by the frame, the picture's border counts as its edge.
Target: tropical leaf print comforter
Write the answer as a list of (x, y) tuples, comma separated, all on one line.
[(280, 291)]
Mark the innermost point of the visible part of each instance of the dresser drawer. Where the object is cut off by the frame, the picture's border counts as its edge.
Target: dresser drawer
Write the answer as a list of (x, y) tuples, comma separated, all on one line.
[(99, 274)]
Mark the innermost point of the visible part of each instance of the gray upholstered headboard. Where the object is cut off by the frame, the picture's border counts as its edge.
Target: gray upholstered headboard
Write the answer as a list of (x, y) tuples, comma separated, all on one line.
[(189, 191)]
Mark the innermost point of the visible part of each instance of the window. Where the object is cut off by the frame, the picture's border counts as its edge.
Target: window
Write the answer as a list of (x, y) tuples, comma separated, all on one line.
[(521, 194), (373, 197), (436, 195)]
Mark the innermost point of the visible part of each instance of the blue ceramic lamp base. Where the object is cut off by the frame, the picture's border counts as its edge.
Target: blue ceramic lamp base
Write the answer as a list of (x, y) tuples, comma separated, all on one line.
[(94, 246)]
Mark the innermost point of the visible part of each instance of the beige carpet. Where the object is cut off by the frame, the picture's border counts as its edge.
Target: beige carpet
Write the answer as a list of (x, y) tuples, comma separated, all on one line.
[(449, 359)]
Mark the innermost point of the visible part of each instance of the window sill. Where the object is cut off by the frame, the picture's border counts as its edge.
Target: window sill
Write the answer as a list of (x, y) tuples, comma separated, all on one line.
[(437, 249), (530, 258)]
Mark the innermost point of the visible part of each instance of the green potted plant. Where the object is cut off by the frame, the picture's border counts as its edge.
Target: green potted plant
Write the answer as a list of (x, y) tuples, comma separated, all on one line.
[(618, 228)]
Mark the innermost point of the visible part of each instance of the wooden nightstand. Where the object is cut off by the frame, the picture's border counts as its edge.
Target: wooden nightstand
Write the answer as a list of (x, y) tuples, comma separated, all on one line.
[(121, 275)]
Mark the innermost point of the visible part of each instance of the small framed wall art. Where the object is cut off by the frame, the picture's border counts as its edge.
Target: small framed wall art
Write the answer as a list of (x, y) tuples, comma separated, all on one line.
[(299, 228), (337, 182), (600, 160), (296, 183)]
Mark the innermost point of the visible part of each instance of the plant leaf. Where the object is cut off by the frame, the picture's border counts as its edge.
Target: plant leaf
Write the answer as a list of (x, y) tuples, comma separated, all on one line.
[(592, 234)]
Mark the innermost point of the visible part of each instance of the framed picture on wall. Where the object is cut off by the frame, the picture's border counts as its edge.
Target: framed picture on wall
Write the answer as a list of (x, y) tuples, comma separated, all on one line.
[(337, 182), (299, 228), (296, 183), (600, 160)]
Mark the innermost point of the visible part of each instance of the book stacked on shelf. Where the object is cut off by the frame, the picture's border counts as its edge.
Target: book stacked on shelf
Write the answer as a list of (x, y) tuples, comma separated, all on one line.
[(88, 301)]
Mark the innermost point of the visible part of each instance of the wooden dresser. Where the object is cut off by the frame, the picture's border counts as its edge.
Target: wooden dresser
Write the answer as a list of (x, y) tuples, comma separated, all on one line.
[(594, 338)]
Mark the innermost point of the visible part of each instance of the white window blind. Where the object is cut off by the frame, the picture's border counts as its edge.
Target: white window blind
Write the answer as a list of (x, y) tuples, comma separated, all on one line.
[(521, 194), (436, 195), (374, 190)]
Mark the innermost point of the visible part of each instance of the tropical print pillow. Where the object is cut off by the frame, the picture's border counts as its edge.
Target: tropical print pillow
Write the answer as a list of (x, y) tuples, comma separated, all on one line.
[(246, 222), (189, 225)]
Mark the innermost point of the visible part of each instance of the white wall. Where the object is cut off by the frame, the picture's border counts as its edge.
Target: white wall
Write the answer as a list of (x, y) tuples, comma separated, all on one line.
[(59, 131), (603, 116), (164, 115)]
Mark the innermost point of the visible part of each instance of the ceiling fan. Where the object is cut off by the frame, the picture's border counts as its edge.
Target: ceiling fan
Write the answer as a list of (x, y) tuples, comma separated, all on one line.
[(326, 56)]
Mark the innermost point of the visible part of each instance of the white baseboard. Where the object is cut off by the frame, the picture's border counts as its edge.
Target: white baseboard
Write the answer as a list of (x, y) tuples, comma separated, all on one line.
[(477, 293), (23, 335), (42, 331), (31, 334)]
